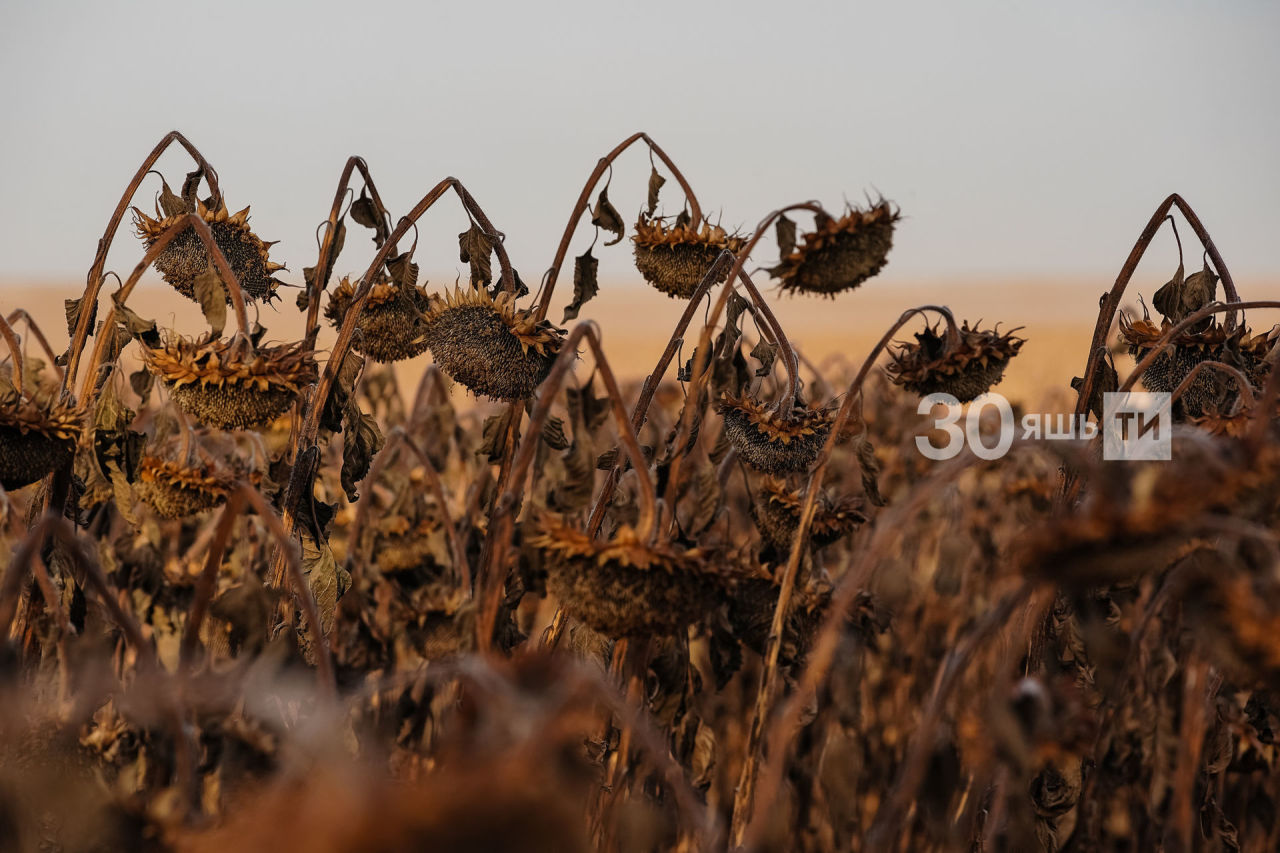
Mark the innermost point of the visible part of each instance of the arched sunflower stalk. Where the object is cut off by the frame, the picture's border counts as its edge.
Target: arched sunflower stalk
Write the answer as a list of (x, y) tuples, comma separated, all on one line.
[(702, 359), (584, 198), (334, 236), (36, 437), (635, 584), (745, 791), (242, 496), (308, 428), (93, 284), (1111, 302), (225, 383)]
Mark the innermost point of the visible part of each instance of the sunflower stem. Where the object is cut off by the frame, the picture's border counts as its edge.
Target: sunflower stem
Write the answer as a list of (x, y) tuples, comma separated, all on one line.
[(584, 198)]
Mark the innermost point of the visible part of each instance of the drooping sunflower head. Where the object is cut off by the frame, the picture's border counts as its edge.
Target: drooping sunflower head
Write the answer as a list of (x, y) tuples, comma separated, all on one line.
[(775, 442), (839, 254), (391, 325), (676, 259), (777, 516), (184, 259), (966, 368), (229, 383), (487, 344), (1210, 391), (35, 438), (625, 587), (177, 489)]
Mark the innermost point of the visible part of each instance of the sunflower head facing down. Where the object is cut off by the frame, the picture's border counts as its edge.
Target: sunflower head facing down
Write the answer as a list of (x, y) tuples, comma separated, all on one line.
[(839, 254), (676, 259), (184, 259), (965, 367), (487, 344)]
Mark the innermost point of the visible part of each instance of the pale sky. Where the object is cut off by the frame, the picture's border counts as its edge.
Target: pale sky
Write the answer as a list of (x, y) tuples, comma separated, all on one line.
[(1020, 139)]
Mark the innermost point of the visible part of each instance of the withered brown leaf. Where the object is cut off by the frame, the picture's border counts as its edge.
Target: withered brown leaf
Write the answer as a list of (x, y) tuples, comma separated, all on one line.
[(655, 185), (585, 285), (212, 296), (765, 353), (72, 308), (475, 248), (784, 230), (606, 216), (365, 212), (362, 442)]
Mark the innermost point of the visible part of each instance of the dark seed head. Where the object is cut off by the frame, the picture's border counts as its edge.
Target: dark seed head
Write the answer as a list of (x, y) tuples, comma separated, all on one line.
[(774, 442), (34, 440), (840, 254), (391, 326), (966, 369), (676, 260), (184, 259), (625, 587), (488, 345), (229, 384)]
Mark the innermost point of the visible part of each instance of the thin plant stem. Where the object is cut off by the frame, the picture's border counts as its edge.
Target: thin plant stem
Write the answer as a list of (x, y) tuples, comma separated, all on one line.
[(502, 520), (34, 328), (584, 198), (744, 796), (15, 351), (207, 580), (95, 278)]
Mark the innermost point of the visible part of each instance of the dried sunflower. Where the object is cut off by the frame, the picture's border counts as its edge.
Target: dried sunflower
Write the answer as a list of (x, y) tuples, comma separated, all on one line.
[(777, 515), (773, 442), (229, 383), (35, 439), (185, 259), (390, 324), (676, 259), (180, 490), (625, 587), (966, 368), (839, 254), (489, 345), (1210, 391), (752, 603)]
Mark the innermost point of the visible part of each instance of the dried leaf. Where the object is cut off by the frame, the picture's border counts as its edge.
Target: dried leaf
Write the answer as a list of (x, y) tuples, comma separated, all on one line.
[(475, 248), (362, 442), (170, 203), (327, 581), (72, 307), (765, 353), (494, 436), (586, 410), (606, 216), (309, 273), (585, 285), (212, 296), (344, 386), (1105, 381), (553, 434), (365, 212), (141, 381), (655, 184), (191, 186), (785, 231), (137, 327), (403, 271), (1168, 299), (870, 467)]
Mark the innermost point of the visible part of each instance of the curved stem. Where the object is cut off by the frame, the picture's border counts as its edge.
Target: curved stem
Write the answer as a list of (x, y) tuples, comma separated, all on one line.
[(331, 229), (790, 362), (286, 545), (207, 581), (502, 522), (34, 329), (744, 797), (584, 198), (15, 350), (1111, 302), (1242, 382), (446, 518), (309, 429), (126, 290), (1167, 339), (94, 280)]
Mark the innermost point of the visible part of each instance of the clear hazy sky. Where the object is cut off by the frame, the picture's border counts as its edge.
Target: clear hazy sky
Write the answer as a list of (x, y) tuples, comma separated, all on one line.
[(1020, 139)]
